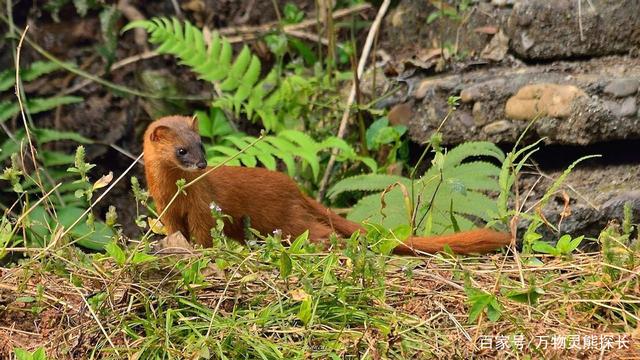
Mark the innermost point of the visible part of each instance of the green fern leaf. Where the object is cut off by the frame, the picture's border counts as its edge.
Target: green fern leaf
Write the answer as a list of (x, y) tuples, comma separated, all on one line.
[(477, 175), (8, 109), (457, 187), (7, 79), (368, 182), (237, 70), (48, 135), (472, 148), (37, 105), (392, 216)]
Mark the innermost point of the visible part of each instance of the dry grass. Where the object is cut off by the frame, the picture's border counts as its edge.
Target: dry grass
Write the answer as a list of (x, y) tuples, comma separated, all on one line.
[(151, 311)]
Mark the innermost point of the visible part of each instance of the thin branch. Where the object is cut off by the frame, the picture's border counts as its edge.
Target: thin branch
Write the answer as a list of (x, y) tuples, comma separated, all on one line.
[(352, 94)]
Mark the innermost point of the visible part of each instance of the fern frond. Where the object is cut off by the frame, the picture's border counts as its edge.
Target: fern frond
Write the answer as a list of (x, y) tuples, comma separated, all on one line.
[(472, 148), (369, 209), (48, 135), (35, 105), (238, 79), (286, 146), (477, 175), (8, 109), (43, 104), (37, 69), (459, 194), (368, 182)]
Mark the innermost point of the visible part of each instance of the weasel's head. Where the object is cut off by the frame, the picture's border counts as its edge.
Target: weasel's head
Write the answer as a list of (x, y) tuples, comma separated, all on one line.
[(176, 139)]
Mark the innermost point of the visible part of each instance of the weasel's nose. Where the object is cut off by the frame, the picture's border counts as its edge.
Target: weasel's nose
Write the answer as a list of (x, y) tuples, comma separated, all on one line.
[(201, 165)]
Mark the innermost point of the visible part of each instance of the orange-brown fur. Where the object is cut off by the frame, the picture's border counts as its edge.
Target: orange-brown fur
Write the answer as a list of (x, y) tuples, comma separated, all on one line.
[(269, 199)]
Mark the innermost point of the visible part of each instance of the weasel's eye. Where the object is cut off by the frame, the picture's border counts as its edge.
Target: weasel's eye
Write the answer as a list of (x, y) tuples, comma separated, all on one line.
[(182, 151)]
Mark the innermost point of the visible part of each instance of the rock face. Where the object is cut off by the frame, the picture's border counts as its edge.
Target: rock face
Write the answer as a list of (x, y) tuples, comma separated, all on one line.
[(597, 196), (572, 103), (561, 29), (567, 70)]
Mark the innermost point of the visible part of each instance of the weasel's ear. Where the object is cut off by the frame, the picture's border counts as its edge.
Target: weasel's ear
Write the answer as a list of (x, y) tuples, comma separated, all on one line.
[(159, 132), (193, 123)]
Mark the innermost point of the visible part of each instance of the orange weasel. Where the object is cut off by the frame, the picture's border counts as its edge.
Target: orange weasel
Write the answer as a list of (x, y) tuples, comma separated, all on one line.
[(270, 200)]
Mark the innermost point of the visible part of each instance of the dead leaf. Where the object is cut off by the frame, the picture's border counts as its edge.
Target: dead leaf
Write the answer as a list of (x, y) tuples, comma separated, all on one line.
[(298, 295), (489, 29), (401, 114), (103, 181), (174, 243), (497, 48), (157, 227)]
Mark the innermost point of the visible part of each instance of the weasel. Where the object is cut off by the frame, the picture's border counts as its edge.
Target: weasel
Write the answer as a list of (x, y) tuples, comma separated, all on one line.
[(271, 200)]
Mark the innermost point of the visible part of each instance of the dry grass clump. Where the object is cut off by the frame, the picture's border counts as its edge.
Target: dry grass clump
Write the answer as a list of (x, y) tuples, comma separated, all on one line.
[(273, 302)]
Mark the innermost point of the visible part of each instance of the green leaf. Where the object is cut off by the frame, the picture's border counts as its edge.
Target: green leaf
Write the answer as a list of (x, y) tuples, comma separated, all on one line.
[(56, 158), (305, 312), (37, 105), (7, 79), (526, 296), (26, 299), (433, 17), (22, 354), (478, 304), (116, 253), (140, 258), (8, 110), (494, 310), (369, 182), (292, 15), (48, 135), (39, 354), (237, 71), (546, 248), (285, 265), (94, 239)]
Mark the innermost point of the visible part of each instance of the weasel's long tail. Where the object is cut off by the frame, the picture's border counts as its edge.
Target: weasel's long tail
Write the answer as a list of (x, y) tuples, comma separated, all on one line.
[(478, 241)]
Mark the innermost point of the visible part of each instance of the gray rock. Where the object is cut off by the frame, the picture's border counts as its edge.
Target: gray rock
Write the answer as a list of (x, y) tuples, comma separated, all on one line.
[(598, 194), (502, 2), (612, 106), (478, 114), (543, 29), (628, 107), (498, 127), (622, 87)]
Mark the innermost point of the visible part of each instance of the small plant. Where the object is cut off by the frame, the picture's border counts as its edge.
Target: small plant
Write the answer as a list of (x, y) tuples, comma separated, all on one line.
[(449, 195), (481, 302), (292, 15), (381, 136), (40, 225), (38, 354), (564, 247)]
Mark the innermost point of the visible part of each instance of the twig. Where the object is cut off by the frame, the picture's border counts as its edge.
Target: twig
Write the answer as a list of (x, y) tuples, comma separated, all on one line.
[(95, 317), (176, 8), (252, 32), (352, 94), (580, 20), (28, 211), (132, 14), (24, 116), (124, 62)]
